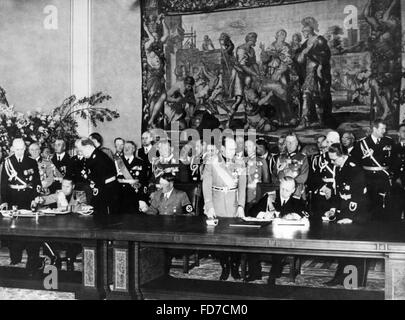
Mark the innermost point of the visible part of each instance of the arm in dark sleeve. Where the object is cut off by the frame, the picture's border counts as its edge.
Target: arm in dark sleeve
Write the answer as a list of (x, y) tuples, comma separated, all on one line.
[(4, 182), (261, 206)]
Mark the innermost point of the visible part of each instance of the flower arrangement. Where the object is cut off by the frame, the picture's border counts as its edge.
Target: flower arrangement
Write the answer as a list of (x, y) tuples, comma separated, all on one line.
[(45, 128)]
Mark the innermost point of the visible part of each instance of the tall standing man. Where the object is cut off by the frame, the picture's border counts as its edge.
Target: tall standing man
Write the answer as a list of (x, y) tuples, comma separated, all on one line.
[(374, 153), (224, 189), (102, 174), (20, 184)]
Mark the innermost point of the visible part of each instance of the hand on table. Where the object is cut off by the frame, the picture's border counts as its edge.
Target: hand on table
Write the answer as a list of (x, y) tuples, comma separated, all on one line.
[(345, 221), (292, 216), (143, 207), (211, 214), (240, 213)]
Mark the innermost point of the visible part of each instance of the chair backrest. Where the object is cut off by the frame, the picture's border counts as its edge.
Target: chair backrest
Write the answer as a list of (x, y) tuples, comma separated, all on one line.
[(194, 193), (263, 188)]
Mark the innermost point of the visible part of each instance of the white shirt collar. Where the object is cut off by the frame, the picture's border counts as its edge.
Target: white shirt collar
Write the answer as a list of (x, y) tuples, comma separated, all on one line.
[(375, 140), (168, 194), (283, 201), (129, 159), (350, 149), (60, 156), (147, 149)]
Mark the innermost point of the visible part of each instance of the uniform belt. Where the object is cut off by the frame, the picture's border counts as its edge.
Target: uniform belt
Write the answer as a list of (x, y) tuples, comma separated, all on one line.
[(375, 168), (18, 187), (109, 180), (224, 189)]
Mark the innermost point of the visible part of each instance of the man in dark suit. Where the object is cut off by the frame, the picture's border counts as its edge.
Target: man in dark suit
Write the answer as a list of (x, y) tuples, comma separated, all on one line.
[(20, 184), (348, 141), (147, 144), (280, 204), (350, 206), (62, 162), (102, 176), (132, 176)]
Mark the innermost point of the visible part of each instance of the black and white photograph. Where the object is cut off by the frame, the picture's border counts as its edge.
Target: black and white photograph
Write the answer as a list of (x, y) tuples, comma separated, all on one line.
[(205, 150)]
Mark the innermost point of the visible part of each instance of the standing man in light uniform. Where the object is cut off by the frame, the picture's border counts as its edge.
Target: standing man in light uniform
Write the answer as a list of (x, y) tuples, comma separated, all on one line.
[(224, 189)]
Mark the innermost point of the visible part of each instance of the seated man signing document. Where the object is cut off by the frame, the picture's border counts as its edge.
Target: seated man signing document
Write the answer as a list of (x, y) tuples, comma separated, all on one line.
[(63, 198), (278, 204)]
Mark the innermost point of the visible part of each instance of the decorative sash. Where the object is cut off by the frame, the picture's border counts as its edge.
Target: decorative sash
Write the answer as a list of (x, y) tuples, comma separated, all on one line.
[(224, 175), (12, 173), (367, 154)]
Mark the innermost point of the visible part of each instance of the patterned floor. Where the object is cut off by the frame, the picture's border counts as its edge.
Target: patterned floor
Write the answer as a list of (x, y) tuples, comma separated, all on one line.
[(314, 273)]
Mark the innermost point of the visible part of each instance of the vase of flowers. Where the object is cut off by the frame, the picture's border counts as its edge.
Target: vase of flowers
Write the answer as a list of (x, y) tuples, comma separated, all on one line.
[(45, 128)]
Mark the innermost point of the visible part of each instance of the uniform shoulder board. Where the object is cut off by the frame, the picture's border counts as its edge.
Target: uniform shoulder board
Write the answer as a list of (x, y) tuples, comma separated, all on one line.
[(388, 137), (352, 164), (362, 139)]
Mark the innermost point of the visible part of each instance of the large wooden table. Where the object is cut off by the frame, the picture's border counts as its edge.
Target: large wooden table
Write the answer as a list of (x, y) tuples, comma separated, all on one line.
[(140, 244)]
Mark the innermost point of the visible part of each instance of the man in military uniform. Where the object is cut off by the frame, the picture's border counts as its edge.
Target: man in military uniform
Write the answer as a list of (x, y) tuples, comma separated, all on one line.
[(98, 142), (62, 162), (168, 200), (274, 156), (374, 153), (191, 164), (119, 147), (79, 172), (20, 184), (132, 177), (321, 182), (350, 205), (294, 164), (102, 176), (45, 168), (166, 159), (257, 171), (224, 190)]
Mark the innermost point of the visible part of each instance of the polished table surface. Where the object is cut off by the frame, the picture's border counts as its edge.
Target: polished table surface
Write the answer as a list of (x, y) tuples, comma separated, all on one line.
[(138, 242), (374, 236)]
